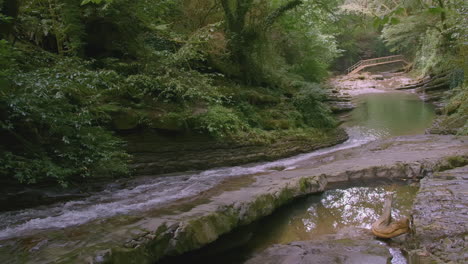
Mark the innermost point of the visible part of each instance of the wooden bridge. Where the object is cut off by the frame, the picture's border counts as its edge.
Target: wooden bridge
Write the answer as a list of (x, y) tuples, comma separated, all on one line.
[(374, 62)]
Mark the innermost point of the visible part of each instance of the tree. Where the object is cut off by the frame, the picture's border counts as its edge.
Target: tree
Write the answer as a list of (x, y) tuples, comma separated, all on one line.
[(241, 35)]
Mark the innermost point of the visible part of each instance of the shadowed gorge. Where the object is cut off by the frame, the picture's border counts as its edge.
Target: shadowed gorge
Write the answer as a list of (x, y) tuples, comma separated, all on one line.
[(232, 131)]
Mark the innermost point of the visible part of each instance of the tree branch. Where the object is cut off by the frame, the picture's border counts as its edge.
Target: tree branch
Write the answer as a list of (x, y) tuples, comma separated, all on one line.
[(271, 19)]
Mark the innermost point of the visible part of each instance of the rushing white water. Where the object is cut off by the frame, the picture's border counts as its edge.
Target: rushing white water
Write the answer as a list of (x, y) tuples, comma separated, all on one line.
[(151, 193)]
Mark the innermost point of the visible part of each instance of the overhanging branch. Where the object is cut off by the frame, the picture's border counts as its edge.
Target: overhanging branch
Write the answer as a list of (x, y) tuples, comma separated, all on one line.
[(271, 19)]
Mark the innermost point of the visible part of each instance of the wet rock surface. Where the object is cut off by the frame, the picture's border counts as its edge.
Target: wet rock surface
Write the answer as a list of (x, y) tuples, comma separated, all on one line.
[(441, 218), (331, 250), (145, 236)]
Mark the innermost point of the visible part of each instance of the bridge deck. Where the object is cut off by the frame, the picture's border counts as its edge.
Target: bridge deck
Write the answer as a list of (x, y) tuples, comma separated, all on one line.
[(375, 62)]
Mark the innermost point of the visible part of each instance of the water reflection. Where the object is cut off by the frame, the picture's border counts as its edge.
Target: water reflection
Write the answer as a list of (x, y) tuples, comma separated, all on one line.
[(335, 210), (395, 113), (312, 218)]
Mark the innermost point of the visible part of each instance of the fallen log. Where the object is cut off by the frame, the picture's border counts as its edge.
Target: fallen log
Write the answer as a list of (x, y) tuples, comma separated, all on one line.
[(385, 226)]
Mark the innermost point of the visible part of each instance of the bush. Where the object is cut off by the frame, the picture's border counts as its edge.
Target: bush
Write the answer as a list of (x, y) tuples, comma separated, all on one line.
[(50, 129), (314, 112), (220, 122)]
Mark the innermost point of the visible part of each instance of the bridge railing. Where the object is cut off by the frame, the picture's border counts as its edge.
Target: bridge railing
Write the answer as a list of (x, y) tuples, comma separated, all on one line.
[(375, 61)]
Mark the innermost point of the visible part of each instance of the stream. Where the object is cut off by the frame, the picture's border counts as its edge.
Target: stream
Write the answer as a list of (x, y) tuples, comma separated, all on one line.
[(377, 116), (342, 209)]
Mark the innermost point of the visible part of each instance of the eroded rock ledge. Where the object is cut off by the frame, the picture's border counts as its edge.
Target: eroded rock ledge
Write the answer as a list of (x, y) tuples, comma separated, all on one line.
[(157, 154), (146, 237), (440, 216)]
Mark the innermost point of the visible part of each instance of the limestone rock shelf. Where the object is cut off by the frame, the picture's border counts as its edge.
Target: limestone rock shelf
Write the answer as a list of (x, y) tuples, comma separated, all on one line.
[(146, 236)]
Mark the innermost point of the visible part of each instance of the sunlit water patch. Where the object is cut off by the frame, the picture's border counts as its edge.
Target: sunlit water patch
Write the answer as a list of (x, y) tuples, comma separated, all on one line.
[(335, 210)]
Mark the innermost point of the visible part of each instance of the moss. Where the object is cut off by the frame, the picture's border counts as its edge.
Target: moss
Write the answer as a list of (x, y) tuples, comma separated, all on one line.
[(455, 114), (204, 230), (305, 184), (285, 195), (200, 231), (262, 206), (452, 162)]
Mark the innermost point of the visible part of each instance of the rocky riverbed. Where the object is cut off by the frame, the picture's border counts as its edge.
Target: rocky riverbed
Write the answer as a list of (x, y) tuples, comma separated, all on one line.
[(144, 236), (365, 83)]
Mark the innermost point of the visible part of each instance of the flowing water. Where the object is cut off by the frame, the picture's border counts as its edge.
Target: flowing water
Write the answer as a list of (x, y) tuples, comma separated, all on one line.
[(145, 193), (377, 116)]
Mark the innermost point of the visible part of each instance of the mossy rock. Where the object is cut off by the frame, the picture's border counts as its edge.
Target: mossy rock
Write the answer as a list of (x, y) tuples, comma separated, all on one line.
[(204, 230), (452, 162)]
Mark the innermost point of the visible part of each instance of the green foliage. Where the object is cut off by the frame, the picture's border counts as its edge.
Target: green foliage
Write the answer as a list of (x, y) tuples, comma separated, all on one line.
[(7, 57), (184, 86), (53, 24), (82, 68), (97, 2), (51, 130), (430, 57), (220, 122), (456, 111), (309, 103)]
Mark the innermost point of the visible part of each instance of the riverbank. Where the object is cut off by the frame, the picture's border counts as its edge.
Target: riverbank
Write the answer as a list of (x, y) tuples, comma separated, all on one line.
[(145, 236), (155, 153)]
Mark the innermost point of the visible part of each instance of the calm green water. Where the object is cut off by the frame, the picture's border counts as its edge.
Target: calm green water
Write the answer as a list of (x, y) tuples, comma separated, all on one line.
[(392, 114)]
